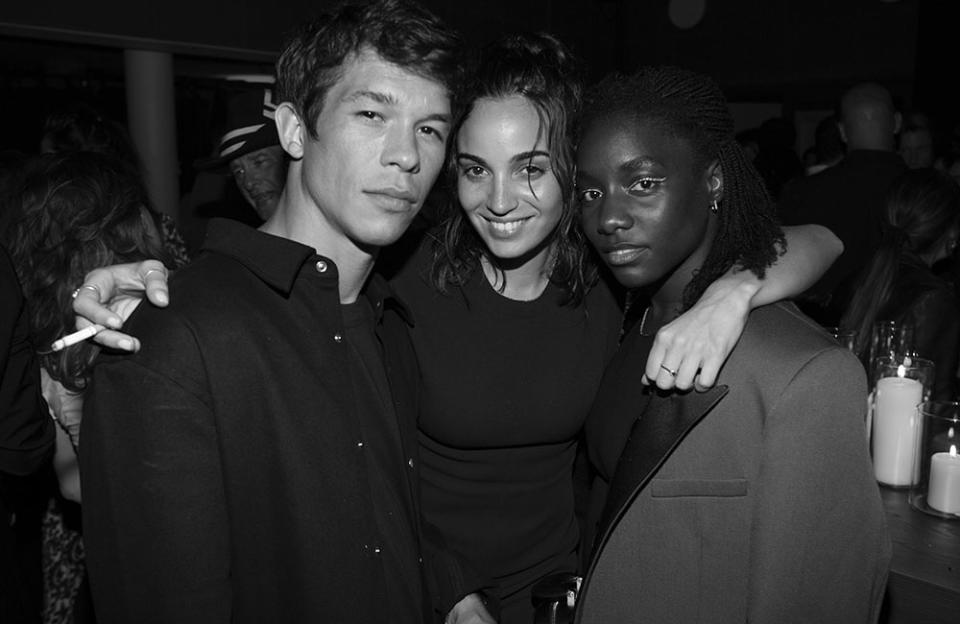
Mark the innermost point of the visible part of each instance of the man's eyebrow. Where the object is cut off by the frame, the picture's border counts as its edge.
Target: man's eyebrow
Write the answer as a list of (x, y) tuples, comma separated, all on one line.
[(441, 117), (377, 96), (388, 99)]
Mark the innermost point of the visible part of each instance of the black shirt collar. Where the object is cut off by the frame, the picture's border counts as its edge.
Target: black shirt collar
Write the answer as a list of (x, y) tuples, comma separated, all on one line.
[(378, 290), (277, 262)]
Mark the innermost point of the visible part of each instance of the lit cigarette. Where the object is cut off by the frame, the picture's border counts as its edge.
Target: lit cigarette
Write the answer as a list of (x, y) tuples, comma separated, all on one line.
[(78, 336)]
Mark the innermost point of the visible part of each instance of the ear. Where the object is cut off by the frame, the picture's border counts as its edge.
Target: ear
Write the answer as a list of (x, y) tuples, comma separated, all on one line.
[(292, 131), (715, 181)]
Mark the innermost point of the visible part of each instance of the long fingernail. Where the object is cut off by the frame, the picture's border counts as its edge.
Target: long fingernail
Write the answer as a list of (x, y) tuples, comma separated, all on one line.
[(162, 297)]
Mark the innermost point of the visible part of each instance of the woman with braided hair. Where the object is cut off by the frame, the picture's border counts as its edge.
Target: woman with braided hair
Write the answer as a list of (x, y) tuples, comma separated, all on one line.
[(753, 501), (921, 227)]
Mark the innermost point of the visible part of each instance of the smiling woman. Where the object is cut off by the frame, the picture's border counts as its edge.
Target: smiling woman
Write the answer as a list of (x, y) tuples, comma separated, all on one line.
[(513, 170), (509, 191), (512, 331)]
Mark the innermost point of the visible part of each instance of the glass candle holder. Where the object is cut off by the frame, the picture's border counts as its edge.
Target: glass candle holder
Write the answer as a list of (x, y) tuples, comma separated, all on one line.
[(936, 487), (888, 339), (846, 337), (902, 384)]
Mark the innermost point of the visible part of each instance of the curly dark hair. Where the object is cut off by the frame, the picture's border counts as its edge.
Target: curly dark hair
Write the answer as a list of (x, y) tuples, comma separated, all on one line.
[(76, 211), (79, 127), (400, 32), (538, 67), (692, 106)]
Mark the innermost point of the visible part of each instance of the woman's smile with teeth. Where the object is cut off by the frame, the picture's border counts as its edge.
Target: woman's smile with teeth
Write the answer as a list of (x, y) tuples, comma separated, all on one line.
[(507, 228)]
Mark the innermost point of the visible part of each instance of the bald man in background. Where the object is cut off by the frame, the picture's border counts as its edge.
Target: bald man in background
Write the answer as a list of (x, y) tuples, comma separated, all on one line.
[(848, 197)]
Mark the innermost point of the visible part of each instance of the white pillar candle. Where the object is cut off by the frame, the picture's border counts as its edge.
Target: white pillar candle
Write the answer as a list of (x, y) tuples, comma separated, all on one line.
[(895, 429), (943, 494)]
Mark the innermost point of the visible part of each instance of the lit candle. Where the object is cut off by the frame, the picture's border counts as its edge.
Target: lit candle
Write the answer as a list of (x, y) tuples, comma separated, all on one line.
[(895, 429), (944, 491)]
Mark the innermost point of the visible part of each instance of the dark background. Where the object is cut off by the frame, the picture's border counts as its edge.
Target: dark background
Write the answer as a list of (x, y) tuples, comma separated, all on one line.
[(772, 57)]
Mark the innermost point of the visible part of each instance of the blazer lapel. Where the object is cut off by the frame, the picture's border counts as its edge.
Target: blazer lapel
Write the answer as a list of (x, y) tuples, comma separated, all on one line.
[(653, 438), (657, 432)]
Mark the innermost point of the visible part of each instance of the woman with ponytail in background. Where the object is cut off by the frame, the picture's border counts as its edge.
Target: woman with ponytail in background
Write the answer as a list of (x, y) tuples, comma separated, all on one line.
[(921, 226)]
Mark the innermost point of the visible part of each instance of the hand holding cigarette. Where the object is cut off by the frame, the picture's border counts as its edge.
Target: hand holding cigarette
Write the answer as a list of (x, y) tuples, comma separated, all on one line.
[(78, 336), (111, 294)]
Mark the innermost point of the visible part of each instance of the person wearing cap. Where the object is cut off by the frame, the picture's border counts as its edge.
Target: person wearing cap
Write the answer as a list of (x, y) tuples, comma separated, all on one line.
[(250, 151)]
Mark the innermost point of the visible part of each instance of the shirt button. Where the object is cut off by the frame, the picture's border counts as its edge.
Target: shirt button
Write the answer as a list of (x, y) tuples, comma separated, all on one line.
[(410, 462), (376, 550), (321, 266), (337, 338), (359, 444)]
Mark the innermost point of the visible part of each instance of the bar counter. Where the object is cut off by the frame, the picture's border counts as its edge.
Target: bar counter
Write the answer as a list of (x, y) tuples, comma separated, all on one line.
[(924, 584)]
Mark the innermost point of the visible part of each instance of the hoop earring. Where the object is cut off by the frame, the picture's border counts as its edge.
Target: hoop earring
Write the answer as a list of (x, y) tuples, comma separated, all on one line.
[(714, 208)]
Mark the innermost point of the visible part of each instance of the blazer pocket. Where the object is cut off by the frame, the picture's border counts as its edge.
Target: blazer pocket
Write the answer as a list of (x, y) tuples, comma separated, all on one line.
[(671, 488)]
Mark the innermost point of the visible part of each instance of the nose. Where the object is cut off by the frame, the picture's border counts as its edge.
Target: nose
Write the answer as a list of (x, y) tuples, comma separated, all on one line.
[(612, 216), (401, 150), (501, 200)]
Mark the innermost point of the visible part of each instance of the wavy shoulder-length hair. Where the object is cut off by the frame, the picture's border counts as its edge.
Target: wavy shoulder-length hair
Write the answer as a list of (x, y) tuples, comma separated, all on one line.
[(75, 211), (540, 68)]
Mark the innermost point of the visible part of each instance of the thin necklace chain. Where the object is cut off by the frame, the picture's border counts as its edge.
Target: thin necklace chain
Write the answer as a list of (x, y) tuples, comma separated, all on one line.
[(643, 321), (628, 304)]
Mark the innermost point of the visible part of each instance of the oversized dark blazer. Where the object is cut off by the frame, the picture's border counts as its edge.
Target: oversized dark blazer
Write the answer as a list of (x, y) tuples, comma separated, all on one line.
[(753, 502), (222, 476)]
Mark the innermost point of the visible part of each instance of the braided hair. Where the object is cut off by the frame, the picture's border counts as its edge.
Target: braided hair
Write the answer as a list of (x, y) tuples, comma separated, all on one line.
[(538, 67), (691, 106)]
